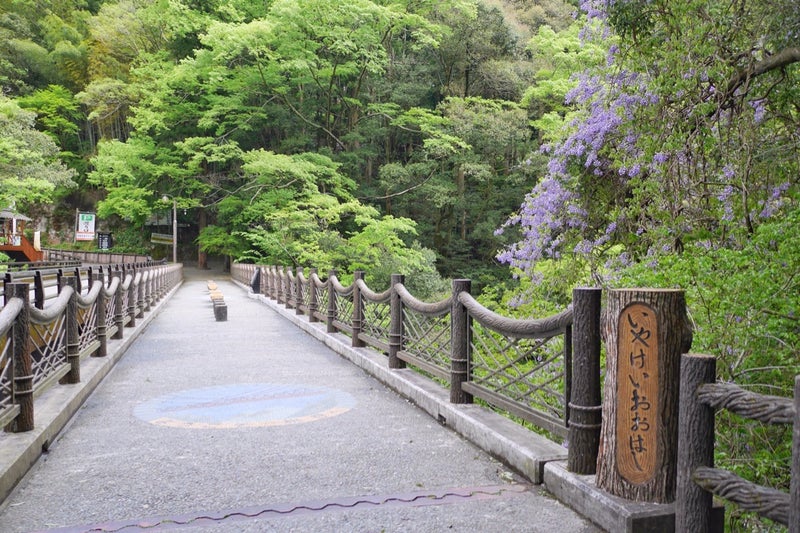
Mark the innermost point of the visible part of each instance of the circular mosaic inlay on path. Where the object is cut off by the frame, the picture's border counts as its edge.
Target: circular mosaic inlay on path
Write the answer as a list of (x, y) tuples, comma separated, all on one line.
[(245, 405)]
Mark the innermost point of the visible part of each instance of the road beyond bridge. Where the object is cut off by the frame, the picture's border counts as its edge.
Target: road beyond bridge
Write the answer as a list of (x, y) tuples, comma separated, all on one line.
[(250, 424)]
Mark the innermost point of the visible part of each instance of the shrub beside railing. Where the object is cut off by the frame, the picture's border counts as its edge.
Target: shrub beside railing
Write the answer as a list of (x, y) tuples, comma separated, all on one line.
[(43, 346), (524, 367)]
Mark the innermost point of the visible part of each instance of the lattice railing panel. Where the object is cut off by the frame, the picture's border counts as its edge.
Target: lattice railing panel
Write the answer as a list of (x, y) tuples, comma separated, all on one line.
[(125, 301), (290, 293), (87, 325), (377, 320), (5, 371), (344, 308), (322, 299), (50, 347), (305, 294), (526, 371), (427, 337), (110, 306)]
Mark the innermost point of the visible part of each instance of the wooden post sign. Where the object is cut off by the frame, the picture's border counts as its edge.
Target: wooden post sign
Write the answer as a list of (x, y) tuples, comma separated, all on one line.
[(637, 393), (646, 331)]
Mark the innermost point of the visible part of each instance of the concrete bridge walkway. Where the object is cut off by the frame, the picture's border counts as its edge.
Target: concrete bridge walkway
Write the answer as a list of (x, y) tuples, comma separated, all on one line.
[(253, 425)]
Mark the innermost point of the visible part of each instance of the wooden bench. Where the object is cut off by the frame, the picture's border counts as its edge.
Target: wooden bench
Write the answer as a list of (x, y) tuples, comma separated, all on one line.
[(217, 299)]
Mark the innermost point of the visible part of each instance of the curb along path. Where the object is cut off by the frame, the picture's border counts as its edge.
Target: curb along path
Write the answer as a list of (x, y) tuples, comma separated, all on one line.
[(250, 424)]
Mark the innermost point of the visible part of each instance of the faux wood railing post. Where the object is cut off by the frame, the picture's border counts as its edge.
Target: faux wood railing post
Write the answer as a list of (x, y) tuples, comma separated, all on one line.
[(331, 316), (279, 279), (287, 287), (271, 282), (156, 288), (291, 287), (161, 283), (73, 339), (255, 281), (358, 311), (695, 444), (584, 403), (140, 295), (298, 291), (313, 302), (148, 290), (118, 307), (6, 281), (79, 285), (38, 290), (23, 365), (264, 280), (460, 333), (396, 328), (278, 273), (794, 487), (132, 291), (646, 331), (102, 328)]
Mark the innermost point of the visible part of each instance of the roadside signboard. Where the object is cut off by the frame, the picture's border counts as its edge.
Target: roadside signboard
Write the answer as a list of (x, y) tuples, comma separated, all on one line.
[(104, 241), (161, 238), (85, 227)]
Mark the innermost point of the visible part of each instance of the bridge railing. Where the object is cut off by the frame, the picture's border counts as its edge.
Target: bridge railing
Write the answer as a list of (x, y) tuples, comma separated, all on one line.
[(698, 480), (38, 265), (45, 282), (525, 367), (40, 347), (105, 257)]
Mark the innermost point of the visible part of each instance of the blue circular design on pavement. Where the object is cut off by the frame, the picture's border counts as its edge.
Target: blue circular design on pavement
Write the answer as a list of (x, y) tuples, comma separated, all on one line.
[(245, 405)]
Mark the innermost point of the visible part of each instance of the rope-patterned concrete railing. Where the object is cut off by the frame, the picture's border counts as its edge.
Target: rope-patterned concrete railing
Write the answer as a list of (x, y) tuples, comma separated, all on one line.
[(515, 364), (528, 368), (96, 258), (698, 481), (42, 347), (45, 282), (423, 335)]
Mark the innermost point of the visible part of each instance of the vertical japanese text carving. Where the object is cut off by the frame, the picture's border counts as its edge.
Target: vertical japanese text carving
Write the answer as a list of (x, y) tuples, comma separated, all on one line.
[(637, 409)]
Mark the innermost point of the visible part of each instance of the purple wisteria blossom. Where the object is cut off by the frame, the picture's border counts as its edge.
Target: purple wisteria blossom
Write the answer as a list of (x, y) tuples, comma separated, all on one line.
[(552, 215), (774, 202), (547, 212), (725, 197), (759, 110)]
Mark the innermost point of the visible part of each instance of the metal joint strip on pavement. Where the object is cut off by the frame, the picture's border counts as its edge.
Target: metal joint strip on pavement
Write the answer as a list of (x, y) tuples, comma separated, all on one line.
[(413, 499)]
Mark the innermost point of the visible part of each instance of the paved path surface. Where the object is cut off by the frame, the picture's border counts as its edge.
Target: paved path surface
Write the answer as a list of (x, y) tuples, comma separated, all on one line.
[(253, 425)]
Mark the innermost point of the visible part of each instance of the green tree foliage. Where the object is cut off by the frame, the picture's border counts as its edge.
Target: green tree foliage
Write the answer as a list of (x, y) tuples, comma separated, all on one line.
[(43, 42), (57, 114), (467, 168), (299, 210), (30, 170)]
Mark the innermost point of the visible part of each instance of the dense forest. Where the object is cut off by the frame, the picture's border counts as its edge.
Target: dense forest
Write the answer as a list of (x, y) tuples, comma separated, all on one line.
[(530, 145)]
